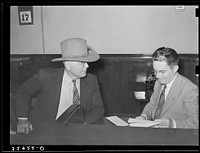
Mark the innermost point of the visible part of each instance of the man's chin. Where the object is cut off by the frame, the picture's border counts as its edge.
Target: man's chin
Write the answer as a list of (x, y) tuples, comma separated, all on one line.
[(84, 75), (162, 82)]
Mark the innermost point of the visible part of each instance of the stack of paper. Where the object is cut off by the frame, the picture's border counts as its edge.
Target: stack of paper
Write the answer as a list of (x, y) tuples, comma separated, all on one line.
[(132, 122), (142, 123)]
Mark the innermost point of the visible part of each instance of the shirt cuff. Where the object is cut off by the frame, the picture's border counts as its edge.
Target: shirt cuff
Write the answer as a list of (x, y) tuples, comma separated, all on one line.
[(172, 123), (144, 115)]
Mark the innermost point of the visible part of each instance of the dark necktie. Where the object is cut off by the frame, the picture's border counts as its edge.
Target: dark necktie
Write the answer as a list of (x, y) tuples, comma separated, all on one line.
[(76, 98), (160, 103)]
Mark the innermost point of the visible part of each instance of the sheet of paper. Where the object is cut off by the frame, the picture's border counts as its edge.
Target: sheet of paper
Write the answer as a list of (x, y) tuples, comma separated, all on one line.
[(133, 120), (142, 123), (117, 121)]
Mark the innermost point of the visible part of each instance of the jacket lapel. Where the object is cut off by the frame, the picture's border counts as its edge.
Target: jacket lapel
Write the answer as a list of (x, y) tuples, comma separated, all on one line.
[(171, 95), (57, 86), (84, 91)]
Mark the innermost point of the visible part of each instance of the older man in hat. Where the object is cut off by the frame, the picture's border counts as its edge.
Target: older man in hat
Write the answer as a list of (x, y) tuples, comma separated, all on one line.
[(61, 90)]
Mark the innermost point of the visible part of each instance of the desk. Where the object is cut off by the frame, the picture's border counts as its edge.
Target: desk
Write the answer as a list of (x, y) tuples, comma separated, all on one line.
[(79, 134)]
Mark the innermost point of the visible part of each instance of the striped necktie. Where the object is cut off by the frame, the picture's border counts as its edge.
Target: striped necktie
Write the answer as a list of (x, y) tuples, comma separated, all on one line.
[(76, 98), (160, 103)]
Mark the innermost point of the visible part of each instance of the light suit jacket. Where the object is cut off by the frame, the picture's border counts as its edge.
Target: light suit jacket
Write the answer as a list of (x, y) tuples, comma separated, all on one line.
[(46, 84), (181, 105)]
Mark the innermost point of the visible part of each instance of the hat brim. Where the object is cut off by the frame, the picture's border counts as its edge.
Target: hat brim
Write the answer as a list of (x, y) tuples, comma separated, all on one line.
[(91, 57)]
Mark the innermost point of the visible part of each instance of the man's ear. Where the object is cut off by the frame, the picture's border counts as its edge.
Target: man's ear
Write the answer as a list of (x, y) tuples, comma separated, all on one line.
[(175, 68), (67, 65)]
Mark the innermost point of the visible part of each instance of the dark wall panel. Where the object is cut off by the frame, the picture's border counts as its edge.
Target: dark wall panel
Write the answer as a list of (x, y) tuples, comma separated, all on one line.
[(119, 77)]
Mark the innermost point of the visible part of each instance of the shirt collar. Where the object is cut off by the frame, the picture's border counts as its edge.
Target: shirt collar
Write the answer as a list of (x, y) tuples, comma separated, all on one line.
[(67, 79)]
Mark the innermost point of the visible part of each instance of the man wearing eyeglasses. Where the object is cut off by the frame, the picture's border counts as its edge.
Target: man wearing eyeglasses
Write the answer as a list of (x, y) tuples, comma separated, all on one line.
[(60, 90), (174, 102)]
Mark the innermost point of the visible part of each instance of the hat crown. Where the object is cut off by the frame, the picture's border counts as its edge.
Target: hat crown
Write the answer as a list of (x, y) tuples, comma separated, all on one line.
[(74, 47)]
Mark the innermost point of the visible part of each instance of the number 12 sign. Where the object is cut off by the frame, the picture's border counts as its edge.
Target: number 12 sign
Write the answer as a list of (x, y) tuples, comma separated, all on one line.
[(25, 15)]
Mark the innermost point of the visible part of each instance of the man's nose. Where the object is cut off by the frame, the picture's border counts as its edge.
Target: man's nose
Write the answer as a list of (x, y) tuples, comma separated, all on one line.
[(86, 65), (157, 75)]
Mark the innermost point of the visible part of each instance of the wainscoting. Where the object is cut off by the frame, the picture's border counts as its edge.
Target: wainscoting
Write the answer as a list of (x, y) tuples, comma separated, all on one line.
[(121, 77)]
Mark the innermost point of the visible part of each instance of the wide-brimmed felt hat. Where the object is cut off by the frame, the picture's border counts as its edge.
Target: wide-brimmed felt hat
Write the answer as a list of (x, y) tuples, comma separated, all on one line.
[(76, 49)]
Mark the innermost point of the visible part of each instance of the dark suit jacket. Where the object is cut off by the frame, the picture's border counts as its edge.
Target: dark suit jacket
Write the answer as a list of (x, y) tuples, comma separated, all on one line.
[(46, 84), (181, 104)]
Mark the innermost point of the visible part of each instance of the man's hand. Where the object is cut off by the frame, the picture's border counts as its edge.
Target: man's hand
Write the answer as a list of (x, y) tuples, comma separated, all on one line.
[(164, 123), (140, 118), (24, 126)]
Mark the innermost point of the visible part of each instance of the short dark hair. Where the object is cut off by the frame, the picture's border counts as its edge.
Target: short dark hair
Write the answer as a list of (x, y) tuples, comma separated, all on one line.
[(166, 54)]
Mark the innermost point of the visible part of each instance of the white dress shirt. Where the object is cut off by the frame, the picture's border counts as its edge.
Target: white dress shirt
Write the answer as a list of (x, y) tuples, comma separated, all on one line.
[(168, 87), (66, 94)]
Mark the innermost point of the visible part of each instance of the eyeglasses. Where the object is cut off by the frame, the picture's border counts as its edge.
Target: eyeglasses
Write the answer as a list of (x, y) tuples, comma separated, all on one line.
[(162, 72), (83, 63)]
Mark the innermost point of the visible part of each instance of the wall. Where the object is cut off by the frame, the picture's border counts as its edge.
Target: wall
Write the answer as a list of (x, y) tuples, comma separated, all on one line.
[(108, 29), (26, 39)]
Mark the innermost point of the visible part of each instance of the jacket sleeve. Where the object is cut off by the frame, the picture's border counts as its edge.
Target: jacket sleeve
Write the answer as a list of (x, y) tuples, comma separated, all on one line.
[(25, 93), (151, 105), (191, 103)]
